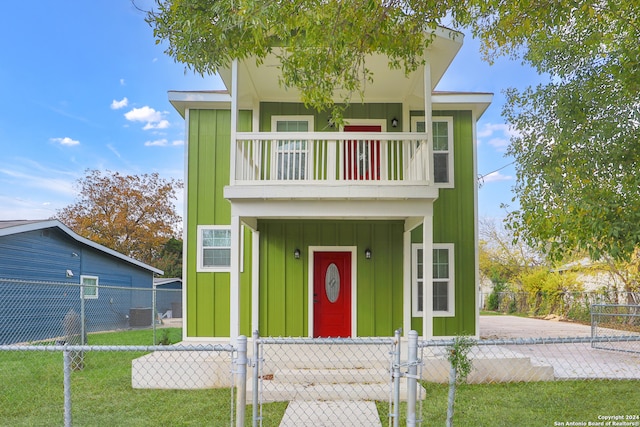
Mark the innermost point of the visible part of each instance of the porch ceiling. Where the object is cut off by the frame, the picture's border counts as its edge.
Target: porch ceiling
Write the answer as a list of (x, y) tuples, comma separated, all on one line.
[(261, 83)]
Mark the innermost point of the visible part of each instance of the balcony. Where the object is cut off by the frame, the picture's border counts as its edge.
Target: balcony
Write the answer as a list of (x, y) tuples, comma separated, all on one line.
[(330, 165)]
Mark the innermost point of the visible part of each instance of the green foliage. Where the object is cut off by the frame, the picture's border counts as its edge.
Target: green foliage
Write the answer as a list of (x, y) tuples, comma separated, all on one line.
[(170, 259), (546, 290), (493, 302), (458, 357), (576, 137), (326, 41)]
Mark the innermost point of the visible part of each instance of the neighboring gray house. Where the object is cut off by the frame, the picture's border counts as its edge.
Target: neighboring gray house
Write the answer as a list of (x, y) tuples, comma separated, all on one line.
[(42, 265)]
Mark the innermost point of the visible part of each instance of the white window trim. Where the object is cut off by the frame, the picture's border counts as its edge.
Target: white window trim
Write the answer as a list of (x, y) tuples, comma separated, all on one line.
[(449, 120), (274, 151), (451, 312), (82, 279), (200, 258)]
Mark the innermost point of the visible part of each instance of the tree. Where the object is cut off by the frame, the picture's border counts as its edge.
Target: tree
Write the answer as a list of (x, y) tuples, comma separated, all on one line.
[(577, 148), (170, 258), (131, 214), (327, 40)]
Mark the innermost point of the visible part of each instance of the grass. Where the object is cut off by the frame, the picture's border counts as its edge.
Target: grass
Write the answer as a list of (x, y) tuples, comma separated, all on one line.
[(32, 395), (101, 394), (531, 404)]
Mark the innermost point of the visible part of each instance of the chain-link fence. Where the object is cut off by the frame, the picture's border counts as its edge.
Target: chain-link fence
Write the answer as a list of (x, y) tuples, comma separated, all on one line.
[(615, 320), (119, 378), (58, 313)]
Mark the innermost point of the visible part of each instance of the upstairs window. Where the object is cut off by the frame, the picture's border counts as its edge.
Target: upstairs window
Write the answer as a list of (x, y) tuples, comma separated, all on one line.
[(291, 156), (442, 135)]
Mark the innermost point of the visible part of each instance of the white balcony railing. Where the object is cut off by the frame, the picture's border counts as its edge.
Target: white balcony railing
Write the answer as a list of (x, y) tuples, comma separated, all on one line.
[(324, 157)]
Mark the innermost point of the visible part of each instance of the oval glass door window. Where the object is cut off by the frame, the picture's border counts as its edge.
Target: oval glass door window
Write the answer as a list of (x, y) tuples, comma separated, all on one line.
[(332, 283)]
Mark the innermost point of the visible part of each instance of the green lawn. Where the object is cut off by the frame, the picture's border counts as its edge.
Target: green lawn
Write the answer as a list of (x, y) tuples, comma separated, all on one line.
[(31, 394), (528, 404)]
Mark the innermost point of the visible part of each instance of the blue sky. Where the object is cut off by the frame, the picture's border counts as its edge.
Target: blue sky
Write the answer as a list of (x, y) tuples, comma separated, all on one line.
[(85, 87)]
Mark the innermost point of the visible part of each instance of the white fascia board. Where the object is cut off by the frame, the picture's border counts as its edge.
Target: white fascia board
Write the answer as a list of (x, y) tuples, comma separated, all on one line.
[(203, 100), (478, 102)]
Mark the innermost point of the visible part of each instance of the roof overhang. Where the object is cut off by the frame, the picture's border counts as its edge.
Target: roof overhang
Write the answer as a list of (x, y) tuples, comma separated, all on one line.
[(477, 102), (261, 82)]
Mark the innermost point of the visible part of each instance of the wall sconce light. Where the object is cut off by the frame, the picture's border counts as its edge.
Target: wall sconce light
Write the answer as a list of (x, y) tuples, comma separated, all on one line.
[(394, 123), (331, 123), (296, 253), (69, 273), (367, 253)]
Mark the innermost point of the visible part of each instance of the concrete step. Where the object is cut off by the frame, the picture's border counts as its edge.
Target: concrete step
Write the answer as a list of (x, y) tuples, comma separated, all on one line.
[(332, 376)]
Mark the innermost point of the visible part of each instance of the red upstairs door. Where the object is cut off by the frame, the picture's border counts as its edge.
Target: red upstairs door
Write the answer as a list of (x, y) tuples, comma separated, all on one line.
[(332, 294), (362, 157)]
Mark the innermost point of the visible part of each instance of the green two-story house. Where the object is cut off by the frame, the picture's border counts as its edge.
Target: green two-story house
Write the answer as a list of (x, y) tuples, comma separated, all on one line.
[(297, 227)]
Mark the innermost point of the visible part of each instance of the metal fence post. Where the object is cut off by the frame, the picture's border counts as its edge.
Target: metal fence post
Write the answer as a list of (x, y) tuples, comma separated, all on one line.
[(396, 380), (241, 371), (256, 377), (67, 387), (412, 378)]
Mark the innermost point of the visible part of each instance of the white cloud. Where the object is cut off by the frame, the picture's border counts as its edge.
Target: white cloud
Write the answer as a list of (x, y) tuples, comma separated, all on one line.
[(116, 105), (162, 124), (65, 141), (495, 177), (499, 143), (163, 143), (122, 82), (153, 119), (157, 143), (498, 135)]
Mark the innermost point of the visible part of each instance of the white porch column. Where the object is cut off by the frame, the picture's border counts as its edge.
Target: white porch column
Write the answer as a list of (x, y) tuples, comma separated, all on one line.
[(234, 120), (428, 120), (427, 277), (406, 285), (234, 280), (255, 281)]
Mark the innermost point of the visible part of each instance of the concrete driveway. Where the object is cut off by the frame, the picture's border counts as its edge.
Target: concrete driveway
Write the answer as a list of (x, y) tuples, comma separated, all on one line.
[(505, 327), (611, 360)]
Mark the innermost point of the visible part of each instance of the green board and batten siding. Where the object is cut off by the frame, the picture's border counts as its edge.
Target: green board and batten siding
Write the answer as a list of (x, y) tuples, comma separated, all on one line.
[(208, 173), (454, 222), (284, 279)]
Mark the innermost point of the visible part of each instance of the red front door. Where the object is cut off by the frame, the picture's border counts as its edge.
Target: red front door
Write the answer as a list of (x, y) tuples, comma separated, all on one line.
[(362, 157), (332, 294)]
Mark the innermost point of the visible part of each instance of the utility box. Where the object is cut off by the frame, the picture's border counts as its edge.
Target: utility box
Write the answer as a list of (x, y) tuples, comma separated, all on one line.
[(140, 317)]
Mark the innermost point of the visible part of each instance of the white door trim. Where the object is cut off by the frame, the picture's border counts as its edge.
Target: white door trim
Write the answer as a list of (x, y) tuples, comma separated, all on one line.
[(354, 254)]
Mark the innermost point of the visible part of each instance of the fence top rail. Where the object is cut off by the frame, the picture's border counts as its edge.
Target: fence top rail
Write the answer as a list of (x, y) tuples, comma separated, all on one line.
[(78, 284), (534, 341), (143, 348), (615, 305), (324, 341)]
